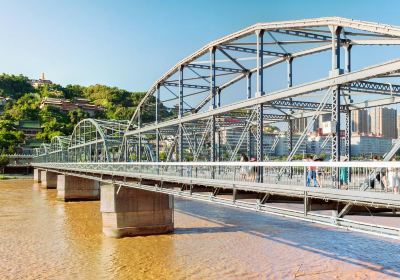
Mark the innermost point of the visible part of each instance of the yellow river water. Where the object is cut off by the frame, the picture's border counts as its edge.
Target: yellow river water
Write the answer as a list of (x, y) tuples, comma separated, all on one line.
[(42, 238)]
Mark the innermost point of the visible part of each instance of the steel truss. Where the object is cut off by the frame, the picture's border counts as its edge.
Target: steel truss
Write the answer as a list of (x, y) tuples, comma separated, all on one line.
[(215, 104), (198, 102)]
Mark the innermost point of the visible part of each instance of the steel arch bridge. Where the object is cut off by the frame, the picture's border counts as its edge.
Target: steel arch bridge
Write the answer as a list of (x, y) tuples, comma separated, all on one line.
[(219, 102), (58, 149), (245, 81), (96, 141)]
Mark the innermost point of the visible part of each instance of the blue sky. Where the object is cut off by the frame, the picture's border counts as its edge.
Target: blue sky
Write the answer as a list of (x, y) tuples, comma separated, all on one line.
[(130, 44)]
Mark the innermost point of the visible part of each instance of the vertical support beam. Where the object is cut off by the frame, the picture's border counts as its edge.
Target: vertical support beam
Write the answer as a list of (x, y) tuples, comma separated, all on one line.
[(335, 117), (290, 71), (336, 124), (347, 57), (348, 112), (348, 134), (213, 103), (139, 151), (218, 90), (180, 115), (260, 108), (290, 136), (157, 159), (248, 135), (335, 30), (290, 122)]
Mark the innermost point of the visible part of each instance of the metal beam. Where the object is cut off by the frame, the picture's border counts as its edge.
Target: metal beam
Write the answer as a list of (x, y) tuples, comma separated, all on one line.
[(303, 34), (367, 73), (260, 108), (250, 50), (217, 68), (170, 84)]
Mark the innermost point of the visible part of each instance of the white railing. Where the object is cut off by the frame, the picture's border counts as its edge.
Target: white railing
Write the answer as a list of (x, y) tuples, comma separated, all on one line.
[(365, 176)]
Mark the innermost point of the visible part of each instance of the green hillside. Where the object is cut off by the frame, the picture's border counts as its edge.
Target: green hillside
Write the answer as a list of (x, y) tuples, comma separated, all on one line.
[(23, 102)]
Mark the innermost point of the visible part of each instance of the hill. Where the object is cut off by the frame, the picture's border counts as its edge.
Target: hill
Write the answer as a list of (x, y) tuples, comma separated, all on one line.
[(21, 100)]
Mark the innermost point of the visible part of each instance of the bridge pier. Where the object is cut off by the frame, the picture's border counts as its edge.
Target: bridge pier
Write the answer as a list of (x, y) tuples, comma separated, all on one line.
[(72, 188), (130, 212), (48, 179), (37, 175)]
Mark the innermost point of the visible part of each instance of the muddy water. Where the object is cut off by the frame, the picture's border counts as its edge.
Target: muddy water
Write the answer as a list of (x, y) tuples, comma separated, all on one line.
[(41, 238)]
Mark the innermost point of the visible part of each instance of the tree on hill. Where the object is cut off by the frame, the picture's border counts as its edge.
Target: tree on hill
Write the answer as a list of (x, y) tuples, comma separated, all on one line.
[(14, 86), (119, 104), (9, 137), (25, 108)]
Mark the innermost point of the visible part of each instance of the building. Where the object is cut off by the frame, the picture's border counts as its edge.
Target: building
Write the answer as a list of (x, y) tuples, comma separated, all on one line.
[(40, 82), (299, 125), (398, 126), (66, 105), (360, 122), (321, 122), (384, 122), (29, 128), (282, 146), (370, 145), (318, 145)]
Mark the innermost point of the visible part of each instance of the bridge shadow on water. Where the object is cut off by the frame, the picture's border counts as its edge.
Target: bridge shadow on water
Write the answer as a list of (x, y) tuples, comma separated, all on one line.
[(367, 251)]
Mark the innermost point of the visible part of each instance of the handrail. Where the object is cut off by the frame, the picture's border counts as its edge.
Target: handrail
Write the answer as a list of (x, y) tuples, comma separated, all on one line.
[(368, 164)]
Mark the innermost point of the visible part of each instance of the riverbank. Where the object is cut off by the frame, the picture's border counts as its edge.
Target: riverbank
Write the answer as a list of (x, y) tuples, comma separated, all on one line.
[(42, 238), (15, 176)]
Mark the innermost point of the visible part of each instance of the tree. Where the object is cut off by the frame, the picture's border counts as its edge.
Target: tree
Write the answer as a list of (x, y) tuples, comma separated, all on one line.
[(4, 161), (25, 108), (14, 86), (10, 138)]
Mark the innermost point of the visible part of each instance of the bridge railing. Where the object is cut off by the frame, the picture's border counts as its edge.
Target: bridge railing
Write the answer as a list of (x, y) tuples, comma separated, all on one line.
[(364, 176)]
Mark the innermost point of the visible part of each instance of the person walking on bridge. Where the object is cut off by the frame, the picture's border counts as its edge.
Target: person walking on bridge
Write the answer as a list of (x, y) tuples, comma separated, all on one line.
[(311, 173), (393, 178)]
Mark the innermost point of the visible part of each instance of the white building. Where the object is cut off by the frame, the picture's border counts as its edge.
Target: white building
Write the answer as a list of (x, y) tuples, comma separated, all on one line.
[(367, 145)]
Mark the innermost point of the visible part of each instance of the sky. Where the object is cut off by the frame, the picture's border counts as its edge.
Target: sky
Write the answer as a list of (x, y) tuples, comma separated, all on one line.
[(130, 44)]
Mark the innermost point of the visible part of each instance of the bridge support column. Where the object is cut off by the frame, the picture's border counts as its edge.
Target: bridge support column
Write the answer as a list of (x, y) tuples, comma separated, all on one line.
[(48, 179), (37, 175), (72, 188), (130, 212)]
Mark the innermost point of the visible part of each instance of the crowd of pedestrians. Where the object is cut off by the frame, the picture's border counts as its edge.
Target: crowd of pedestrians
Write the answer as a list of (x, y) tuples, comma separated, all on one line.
[(387, 178)]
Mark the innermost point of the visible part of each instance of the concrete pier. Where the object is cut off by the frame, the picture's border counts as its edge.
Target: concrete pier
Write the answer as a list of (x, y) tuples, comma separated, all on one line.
[(131, 212), (37, 175), (48, 179), (72, 188)]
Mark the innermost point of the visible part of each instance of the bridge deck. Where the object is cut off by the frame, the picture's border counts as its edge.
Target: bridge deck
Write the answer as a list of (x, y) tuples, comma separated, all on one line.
[(242, 194)]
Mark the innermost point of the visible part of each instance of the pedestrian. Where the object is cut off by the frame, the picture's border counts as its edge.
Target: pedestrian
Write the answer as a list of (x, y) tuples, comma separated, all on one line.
[(311, 173), (244, 170), (393, 178), (379, 175), (253, 170), (344, 175)]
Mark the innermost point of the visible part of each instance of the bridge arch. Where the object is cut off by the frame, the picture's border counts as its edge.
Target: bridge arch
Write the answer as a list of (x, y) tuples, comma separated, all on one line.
[(58, 149), (215, 103), (96, 141)]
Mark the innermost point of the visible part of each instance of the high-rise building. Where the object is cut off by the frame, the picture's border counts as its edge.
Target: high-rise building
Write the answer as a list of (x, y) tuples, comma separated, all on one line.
[(384, 122), (319, 122), (360, 123), (299, 125), (398, 126)]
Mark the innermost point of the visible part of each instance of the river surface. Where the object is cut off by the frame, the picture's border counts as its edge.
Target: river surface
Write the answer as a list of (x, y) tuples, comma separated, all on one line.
[(42, 238)]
